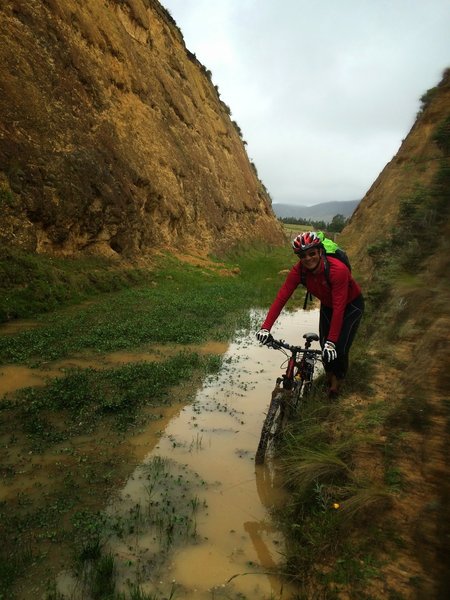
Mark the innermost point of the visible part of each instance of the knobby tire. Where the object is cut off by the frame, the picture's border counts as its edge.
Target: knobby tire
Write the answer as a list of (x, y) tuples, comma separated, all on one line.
[(286, 401), (272, 426)]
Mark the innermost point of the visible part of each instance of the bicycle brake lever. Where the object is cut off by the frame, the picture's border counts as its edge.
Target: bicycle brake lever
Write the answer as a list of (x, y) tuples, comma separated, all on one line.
[(273, 344), (269, 342)]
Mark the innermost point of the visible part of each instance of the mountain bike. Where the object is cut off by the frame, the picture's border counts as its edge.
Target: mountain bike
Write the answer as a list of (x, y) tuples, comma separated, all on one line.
[(295, 383)]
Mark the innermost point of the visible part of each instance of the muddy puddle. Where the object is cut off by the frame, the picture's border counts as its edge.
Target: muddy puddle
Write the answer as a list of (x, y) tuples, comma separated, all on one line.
[(14, 327), (15, 377), (193, 520)]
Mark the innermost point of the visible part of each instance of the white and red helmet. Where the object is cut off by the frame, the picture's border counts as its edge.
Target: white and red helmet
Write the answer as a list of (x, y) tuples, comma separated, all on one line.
[(306, 241)]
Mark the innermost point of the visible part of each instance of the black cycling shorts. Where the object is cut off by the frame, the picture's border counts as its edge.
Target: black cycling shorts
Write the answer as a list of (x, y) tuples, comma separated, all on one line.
[(352, 317)]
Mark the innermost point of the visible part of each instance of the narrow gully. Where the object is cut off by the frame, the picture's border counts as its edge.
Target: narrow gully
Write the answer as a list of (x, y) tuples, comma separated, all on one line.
[(195, 515)]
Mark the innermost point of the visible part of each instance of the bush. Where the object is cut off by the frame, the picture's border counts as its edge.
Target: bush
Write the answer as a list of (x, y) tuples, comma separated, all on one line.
[(442, 136), (426, 99), (7, 198)]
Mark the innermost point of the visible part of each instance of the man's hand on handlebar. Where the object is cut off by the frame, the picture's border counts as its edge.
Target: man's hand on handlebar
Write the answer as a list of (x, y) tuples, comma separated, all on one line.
[(263, 336), (329, 352)]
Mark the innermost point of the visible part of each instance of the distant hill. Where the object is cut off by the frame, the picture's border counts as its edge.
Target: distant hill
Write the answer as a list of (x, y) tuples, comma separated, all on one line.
[(324, 211)]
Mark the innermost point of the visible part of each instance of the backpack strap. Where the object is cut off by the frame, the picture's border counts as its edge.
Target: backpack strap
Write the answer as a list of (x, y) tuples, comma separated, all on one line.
[(302, 276), (326, 269), (308, 296), (303, 282)]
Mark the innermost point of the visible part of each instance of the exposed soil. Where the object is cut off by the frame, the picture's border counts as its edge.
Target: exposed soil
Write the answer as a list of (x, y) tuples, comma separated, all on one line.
[(412, 563)]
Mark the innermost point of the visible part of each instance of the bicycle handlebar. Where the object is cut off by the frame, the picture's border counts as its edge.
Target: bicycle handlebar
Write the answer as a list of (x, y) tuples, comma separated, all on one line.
[(277, 344)]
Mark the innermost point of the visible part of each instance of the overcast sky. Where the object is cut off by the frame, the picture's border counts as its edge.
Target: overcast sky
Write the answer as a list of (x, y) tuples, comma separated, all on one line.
[(324, 91)]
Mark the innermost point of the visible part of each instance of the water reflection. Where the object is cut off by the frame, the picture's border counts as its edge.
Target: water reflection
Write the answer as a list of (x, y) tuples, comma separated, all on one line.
[(228, 544)]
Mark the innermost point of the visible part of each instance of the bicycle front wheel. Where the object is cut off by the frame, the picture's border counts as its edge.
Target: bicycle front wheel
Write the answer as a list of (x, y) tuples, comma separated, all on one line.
[(272, 426)]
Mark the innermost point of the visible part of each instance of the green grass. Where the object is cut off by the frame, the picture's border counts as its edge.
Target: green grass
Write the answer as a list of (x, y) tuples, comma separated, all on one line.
[(172, 302), (31, 284), (75, 403), (13, 566), (183, 304)]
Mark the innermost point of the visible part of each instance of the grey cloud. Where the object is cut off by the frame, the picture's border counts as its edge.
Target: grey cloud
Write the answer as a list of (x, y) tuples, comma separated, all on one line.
[(323, 91)]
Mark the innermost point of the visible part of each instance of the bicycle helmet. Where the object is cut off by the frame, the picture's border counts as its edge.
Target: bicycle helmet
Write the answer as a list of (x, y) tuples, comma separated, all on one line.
[(305, 241)]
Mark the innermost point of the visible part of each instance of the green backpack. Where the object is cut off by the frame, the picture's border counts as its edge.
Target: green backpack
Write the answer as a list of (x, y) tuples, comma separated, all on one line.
[(331, 249)]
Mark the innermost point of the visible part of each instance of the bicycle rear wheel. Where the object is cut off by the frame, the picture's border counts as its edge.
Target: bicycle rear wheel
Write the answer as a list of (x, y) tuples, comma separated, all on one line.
[(272, 426)]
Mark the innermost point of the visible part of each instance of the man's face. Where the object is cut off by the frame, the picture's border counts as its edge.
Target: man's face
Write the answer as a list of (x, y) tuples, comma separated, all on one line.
[(310, 258)]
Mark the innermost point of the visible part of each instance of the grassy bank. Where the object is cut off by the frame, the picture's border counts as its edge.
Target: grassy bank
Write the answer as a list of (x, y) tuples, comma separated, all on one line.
[(334, 521), (367, 475), (179, 303), (64, 444), (31, 284)]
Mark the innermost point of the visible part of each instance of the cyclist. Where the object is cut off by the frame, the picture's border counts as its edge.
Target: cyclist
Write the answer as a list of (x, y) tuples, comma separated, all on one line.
[(341, 304)]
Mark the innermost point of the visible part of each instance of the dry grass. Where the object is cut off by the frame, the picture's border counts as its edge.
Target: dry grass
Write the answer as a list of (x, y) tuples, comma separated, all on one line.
[(314, 466), (365, 503)]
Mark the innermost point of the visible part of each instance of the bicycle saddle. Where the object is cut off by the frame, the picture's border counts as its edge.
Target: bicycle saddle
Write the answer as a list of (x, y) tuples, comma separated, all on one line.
[(311, 337)]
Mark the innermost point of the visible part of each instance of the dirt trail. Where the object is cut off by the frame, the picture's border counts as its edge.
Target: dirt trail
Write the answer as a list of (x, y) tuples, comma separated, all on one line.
[(207, 450)]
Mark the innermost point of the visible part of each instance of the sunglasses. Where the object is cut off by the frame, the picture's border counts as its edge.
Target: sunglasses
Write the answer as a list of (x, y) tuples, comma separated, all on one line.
[(308, 254)]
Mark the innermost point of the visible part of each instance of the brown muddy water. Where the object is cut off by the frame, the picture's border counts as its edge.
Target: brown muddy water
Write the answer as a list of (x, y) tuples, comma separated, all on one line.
[(202, 472), (15, 377), (193, 520)]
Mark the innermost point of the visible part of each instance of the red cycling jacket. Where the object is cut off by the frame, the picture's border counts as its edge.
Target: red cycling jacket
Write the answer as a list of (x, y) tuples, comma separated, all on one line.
[(343, 290)]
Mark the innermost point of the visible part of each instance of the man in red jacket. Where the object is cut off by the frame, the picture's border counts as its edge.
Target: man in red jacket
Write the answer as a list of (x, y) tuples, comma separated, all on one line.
[(341, 304)]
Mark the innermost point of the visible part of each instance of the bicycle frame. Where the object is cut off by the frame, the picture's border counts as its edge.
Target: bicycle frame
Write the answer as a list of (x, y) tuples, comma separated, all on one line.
[(297, 372), (296, 381)]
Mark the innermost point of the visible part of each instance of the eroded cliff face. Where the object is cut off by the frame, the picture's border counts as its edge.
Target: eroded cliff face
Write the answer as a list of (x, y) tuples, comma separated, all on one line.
[(113, 139), (399, 242), (413, 167)]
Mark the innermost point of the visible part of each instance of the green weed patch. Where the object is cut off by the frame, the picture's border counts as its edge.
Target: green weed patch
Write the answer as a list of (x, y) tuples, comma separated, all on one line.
[(74, 404), (31, 283), (71, 431), (183, 304)]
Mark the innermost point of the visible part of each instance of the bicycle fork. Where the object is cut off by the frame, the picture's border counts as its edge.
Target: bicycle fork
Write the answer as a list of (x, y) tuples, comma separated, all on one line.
[(288, 377)]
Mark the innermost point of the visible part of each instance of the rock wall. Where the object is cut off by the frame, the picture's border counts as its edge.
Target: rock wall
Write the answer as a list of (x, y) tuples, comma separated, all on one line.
[(406, 340), (414, 166), (113, 138)]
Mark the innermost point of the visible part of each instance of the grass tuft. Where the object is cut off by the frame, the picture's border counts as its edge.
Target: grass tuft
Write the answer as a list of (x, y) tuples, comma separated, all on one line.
[(314, 466), (364, 504)]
